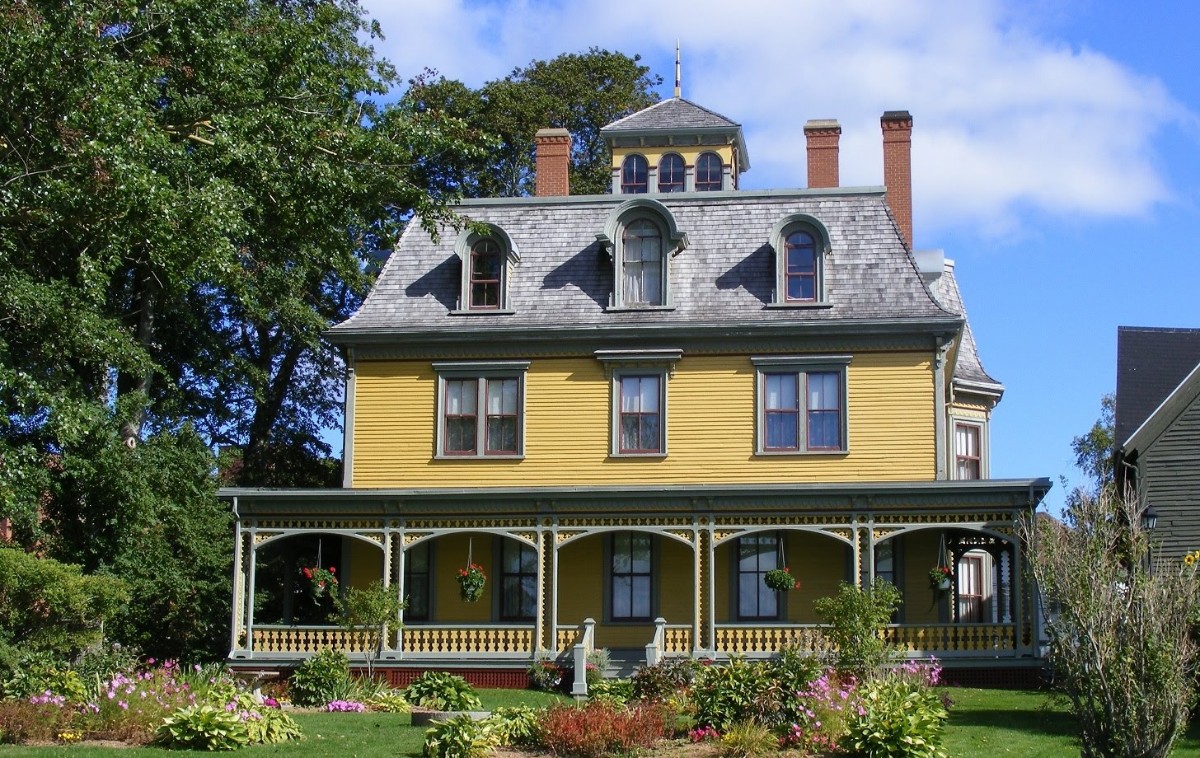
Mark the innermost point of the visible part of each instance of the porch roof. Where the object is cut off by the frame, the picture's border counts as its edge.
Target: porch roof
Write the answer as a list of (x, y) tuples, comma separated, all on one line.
[(633, 499)]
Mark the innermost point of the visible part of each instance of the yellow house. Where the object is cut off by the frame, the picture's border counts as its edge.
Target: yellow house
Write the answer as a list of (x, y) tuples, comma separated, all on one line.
[(626, 409)]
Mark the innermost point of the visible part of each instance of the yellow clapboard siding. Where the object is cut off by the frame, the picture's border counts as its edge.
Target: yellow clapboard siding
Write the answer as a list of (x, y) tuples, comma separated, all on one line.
[(710, 427)]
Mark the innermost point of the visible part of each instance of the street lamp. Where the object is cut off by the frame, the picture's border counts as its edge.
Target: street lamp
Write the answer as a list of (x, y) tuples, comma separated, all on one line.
[(1149, 518)]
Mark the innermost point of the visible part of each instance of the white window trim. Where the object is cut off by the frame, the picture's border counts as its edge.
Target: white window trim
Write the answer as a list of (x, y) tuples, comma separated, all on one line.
[(800, 365), (824, 253), (982, 426), (479, 370), (462, 248), (630, 363)]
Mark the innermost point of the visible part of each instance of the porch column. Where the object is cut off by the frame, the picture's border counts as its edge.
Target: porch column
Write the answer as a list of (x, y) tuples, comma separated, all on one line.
[(861, 538), (553, 631), (543, 593), (387, 582), (1023, 641), (699, 583), (239, 584), (710, 586), (253, 545), (398, 540)]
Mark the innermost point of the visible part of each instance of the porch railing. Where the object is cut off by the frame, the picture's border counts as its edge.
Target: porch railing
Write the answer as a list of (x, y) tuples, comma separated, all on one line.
[(767, 640), (951, 640), (425, 641)]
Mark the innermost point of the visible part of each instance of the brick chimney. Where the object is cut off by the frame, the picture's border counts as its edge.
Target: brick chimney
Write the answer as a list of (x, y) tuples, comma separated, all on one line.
[(897, 168), (553, 149), (822, 136)]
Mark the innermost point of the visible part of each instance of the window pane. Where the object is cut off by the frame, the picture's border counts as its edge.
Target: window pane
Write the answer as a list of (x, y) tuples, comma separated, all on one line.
[(783, 431), (633, 175), (502, 434), (670, 173), (708, 172), (823, 391), (640, 602), (460, 435), (502, 396), (649, 437), (781, 392), (648, 390), (622, 596)]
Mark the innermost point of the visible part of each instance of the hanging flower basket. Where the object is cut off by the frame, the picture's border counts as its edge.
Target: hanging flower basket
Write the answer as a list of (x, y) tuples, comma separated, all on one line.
[(939, 578), (320, 580), (781, 580), (470, 582)]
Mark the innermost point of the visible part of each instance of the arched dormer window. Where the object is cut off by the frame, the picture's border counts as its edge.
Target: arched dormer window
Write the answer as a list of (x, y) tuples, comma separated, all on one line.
[(708, 172), (641, 237), (488, 258), (801, 245), (670, 173), (634, 173)]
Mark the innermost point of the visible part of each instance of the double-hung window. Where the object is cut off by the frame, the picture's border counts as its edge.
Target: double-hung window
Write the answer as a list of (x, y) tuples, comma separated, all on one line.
[(802, 250), (708, 172), (968, 455), (518, 581), (639, 399), (642, 264), (481, 409), (802, 404), (629, 577), (671, 173), (634, 175), (757, 554)]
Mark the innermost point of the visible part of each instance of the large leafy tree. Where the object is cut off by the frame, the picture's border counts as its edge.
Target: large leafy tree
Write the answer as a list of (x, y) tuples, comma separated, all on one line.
[(189, 190), (580, 92)]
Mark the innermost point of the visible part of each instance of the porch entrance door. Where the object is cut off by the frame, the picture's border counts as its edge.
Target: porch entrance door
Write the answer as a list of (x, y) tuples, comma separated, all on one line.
[(970, 589)]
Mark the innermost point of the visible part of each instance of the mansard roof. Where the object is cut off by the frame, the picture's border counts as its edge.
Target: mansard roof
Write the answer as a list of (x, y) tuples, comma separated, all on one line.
[(723, 280), (968, 368)]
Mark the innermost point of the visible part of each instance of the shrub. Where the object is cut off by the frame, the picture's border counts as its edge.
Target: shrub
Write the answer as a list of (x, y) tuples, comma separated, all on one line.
[(321, 678), (441, 691), (737, 691), (748, 740), (390, 701), (822, 710), (516, 725), (103, 662), (664, 679), (794, 670), (897, 714), (38, 673), (203, 727), (130, 707), (614, 691), (856, 618), (460, 737), (599, 729)]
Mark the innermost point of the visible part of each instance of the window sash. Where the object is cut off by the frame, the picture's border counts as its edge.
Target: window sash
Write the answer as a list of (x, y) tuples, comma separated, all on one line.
[(670, 173), (630, 577), (465, 427), (642, 264), (518, 582), (801, 267), (967, 455), (485, 273), (633, 176), (824, 420), (709, 173), (757, 554), (640, 418)]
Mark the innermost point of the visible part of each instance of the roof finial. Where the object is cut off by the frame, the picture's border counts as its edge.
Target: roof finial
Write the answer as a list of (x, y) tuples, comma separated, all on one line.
[(678, 90)]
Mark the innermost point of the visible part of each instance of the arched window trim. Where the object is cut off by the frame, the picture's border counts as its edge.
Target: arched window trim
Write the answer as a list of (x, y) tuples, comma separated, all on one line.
[(463, 244), (786, 226), (675, 241)]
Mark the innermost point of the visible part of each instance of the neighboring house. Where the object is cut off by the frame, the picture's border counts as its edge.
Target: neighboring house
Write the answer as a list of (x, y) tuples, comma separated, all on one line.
[(1157, 430), (628, 408)]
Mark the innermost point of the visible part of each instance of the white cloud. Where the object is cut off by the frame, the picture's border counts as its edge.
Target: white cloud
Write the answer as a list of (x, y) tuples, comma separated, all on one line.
[(1006, 118)]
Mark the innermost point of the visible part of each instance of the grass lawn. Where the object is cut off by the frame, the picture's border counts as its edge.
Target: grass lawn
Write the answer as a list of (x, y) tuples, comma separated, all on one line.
[(982, 722)]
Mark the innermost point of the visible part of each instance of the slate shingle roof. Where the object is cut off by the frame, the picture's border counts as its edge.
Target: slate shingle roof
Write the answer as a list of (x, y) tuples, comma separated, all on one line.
[(1151, 363), (968, 368), (675, 114), (725, 277)]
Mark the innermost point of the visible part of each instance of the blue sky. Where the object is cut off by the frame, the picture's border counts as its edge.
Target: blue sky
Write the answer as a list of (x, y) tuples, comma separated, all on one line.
[(1056, 150)]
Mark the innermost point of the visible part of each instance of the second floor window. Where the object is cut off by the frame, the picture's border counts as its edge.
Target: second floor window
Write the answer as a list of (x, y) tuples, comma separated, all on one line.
[(634, 176), (802, 404), (480, 409), (967, 456), (670, 173), (640, 417)]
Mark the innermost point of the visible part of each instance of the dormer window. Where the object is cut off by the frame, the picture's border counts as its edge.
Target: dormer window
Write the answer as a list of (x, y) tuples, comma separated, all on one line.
[(670, 173), (634, 172), (486, 272), (642, 259), (801, 246), (708, 172), (488, 258), (800, 267), (640, 238)]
